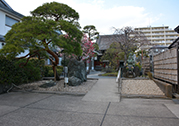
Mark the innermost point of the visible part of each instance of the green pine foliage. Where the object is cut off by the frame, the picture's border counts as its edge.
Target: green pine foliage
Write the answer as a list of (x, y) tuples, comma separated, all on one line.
[(39, 34), (113, 54)]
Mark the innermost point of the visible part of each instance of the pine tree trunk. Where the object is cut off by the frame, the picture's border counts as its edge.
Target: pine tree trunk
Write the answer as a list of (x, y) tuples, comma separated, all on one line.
[(56, 76)]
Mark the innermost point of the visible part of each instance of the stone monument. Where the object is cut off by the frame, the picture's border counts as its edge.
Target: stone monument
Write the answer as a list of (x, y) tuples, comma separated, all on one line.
[(76, 72)]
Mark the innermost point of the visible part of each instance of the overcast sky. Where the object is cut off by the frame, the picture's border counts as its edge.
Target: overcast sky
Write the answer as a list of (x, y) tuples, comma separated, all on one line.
[(106, 14)]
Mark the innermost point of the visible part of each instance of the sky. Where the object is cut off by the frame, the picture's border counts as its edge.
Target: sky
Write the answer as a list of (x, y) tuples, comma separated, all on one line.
[(106, 15)]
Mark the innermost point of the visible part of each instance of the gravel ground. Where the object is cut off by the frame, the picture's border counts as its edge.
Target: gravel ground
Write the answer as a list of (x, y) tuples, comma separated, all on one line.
[(59, 87), (129, 87), (140, 87)]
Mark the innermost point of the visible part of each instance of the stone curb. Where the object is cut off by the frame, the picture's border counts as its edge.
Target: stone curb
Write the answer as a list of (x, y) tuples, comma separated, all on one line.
[(51, 78), (145, 96), (137, 78), (92, 78), (51, 92), (55, 92), (165, 87)]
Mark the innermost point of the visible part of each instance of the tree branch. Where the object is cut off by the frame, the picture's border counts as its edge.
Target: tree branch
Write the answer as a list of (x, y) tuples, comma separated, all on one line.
[(23, 56), (54, 55), (49, 42), (52, 61), (24, 64)]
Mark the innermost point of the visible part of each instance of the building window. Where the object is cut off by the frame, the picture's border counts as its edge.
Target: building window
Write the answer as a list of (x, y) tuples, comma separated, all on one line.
[(10, 21), (48, 61), (2, 44)]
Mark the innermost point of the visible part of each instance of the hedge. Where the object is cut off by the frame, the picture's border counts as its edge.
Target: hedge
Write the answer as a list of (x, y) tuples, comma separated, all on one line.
[(13, 72), (48, 71)]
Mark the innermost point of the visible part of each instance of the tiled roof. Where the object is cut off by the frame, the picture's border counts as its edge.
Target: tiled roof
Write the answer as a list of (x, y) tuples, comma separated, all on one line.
[(177, 29), (159, 47), (174, 44), (6, 8), (104, 41)]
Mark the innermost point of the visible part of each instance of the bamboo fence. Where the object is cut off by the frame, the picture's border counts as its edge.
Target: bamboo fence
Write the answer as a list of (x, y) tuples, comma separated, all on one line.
[(165, 66), (146, 65)]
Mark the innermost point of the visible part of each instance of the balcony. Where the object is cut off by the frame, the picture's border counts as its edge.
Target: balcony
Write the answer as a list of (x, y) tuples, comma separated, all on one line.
[(161, 42), (155, 30), (162, 38)]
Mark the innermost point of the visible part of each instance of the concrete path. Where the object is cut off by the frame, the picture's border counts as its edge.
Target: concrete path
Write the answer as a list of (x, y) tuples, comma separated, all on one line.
[(94, 74), (34, 109), (105, 90), (99, 107)]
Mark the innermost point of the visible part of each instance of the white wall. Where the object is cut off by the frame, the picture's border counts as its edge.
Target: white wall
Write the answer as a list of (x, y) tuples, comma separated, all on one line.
[(3, 28), (2, 23), (23, 54)]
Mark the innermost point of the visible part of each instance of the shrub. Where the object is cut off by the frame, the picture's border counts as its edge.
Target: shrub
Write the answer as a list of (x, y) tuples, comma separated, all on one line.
[(150, 75), (33, 70), (48, 71), (13, 72), (138, 65), (65, 62), (7, 71)]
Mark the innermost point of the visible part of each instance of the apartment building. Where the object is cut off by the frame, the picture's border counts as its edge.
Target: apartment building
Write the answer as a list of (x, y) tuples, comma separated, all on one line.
[(162, 35), (8, 17)]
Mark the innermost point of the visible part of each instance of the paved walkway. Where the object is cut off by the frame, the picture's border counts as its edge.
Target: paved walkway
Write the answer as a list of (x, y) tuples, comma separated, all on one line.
[(94, 74), (105, 90), (34, 109), (98, 109)]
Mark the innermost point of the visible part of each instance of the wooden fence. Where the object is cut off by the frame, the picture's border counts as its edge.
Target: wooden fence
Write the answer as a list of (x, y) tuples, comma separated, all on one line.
[(165, 66), (146, 65)]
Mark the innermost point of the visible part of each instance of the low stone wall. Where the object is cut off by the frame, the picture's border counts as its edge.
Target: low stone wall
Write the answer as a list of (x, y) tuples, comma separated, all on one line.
[(165, 87)]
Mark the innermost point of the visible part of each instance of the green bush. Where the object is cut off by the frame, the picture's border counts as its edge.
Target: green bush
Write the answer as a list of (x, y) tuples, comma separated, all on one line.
[(65, 62), (7, 71), (16, 72), (138, 65), (33, 70), (150, 75), (48, 71)]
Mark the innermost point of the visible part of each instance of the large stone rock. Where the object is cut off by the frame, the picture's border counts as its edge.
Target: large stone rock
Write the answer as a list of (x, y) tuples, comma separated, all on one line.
[(74, 81), (76, 70)]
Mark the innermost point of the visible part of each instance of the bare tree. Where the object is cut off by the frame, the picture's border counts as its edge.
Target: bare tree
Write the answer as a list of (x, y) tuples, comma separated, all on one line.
[(129, 40)]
